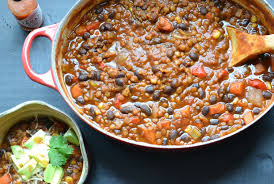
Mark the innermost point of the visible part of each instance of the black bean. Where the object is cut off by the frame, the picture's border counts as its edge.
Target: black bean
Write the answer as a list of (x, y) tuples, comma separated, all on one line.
[(83, 76), (86, 46), (96, 75), (203, 10), (203, 131), (92, 112), (156, 95), (100, 17), (120, 75), (256, 110), (238, 110), (173, 134), (215, 116), (164, 141), (174, 83), (244, 22), (134, 98), (120, 82), (230, 69), (182, 26), (68, 80), (267, 95), (231, 96), (168, 90), (83, 51), (201, 93), (213, 99), (86, 35), (110, 115), (194, 56), (98, 10), (138, 75), (99, 45), (170, 111), (229, 107), (138, 104), (108, 27), (185, 137), (206, 138), (80, 100), (149, 89), (111, 15), (146, 109), (126, 109), (214, 121), (170, 53), (205, 110), (215, 136), (224, 127), (155, 68)]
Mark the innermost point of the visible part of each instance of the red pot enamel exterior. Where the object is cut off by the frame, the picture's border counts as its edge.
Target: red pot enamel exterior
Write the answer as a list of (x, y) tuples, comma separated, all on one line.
[(57, 33)]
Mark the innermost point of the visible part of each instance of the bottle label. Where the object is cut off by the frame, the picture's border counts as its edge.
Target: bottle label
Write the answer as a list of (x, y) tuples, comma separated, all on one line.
[(34, 20)]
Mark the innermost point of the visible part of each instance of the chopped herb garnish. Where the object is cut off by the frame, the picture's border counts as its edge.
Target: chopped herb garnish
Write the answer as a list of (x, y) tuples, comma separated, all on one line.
[(59, 151)]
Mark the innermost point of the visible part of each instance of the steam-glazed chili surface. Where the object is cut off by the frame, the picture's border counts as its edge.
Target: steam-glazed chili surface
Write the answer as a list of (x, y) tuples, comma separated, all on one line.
[(157, 71)]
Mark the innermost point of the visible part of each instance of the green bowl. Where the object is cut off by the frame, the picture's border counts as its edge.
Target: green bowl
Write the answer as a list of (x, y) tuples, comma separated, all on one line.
[(32, 109)]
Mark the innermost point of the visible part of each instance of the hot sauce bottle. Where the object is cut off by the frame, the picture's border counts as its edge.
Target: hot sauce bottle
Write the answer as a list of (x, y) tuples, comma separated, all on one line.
[(27, 12)]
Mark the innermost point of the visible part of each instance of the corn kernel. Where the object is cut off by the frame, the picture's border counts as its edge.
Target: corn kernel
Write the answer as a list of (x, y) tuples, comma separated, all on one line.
[(69, 180), (216, 34), (254, 25), (268, 85), (253, 19), (193, 131)]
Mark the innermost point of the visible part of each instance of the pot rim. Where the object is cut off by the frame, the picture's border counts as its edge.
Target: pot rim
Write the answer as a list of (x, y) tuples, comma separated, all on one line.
[(125, 140)]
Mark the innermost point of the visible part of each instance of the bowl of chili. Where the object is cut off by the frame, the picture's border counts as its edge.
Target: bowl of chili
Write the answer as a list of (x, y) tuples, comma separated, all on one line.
[(39, 119), (156, 75)]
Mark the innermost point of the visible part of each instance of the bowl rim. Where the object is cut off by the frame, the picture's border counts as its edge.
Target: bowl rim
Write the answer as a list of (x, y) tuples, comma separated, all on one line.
[(96, 127), (86, 161)]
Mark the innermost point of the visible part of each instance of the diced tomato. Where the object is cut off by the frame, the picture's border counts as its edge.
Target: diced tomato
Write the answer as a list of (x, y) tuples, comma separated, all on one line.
[(164, 25), (185, 112), (81, 30), (218, 108), (103, 65), (149, 133), (5, 179), (259, 68), (256, 83), (119, 100), (237, 88), (222, 74), (76, 91), (93, 26), (199, 71), (209, 16), (164, 124), (248, 117), (135, 120), (226, 117)]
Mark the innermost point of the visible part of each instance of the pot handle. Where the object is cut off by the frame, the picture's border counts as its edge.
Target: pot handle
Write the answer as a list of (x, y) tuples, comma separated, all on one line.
[(47, 78)]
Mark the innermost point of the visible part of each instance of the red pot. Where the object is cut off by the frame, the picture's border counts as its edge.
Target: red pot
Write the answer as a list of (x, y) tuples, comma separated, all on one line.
[(57, 33)]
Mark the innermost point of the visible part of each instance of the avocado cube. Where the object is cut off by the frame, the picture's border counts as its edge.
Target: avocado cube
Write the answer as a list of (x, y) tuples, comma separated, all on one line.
[(37, 138), (58, 175), (27, 170), (17, 151), (72, 137)]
